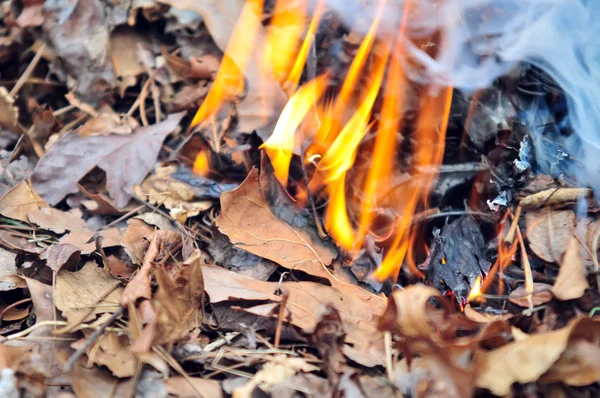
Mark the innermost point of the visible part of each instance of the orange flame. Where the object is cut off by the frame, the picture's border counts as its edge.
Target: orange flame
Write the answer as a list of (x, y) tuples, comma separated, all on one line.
[(284, 37), (475, 292), (201, 164), (280, 145), (229, 81), (340, 158), (296, 71)]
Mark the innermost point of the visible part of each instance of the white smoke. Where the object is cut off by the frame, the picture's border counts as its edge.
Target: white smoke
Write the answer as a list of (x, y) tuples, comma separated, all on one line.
[(484, 39)]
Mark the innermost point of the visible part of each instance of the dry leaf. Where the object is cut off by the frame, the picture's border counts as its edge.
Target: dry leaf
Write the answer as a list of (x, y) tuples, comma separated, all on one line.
[(101, 204), (549, 232), (124, 43), (126, 159), (571, 282), (79, 34), (136, 239), (112, 351), (84, 239), (307, 302), (525, 361), (161, 189), (83, 294), (542, 293), (178, 301), (247, 219), (96, 382), (9, 113), (196, 68), (579, 365), (56, 220), (107, 124), (19, 201), (180, 387), (278, 369), (59, 254)]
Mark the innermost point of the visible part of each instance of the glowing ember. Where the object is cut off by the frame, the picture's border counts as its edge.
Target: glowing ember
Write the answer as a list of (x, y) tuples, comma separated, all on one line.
[(475, 293)]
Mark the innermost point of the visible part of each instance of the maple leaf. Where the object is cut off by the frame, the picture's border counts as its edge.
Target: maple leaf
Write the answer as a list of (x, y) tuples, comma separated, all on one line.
[(126, 159)]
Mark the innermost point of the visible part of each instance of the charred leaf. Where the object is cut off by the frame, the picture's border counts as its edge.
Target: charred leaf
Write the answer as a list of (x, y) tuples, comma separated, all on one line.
[(457, 257)]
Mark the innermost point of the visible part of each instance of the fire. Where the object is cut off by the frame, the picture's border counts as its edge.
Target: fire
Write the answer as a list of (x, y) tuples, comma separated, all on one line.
[(201, 164), (280, 145), (229, 81), (335, 128), (475, 292)]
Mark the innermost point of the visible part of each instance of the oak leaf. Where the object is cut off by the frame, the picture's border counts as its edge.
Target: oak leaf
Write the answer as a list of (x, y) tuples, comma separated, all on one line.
[(571, 282), (549, 232)]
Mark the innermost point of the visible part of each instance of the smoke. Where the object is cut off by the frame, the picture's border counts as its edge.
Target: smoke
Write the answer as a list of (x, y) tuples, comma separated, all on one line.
[(482, 40)]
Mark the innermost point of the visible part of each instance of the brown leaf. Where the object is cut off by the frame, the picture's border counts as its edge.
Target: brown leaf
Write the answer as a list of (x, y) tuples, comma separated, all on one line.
[(534, 355), (79, 34), (307, 302), (549, 232), (178, 197), (19, 201), (33, 15), (84, 240), (579, 365), (139, 287), (248, 221), (56, 220), (571, 282), (19, 243), (83, 294), (112, 351), (126, 159), (178, 301), (58, 255), (124, 44), (101, 204), (278, 369), (137, 239), (180, 387), (96, 382), (107, 124), (542, 293), (9, 113)]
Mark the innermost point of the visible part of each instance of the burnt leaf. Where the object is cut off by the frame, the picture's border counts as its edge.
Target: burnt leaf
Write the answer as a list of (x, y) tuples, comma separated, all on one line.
[(457, 257), (126, 159)]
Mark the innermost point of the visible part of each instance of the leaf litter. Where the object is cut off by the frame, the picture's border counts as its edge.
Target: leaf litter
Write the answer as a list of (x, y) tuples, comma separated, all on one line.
[(126, 268)]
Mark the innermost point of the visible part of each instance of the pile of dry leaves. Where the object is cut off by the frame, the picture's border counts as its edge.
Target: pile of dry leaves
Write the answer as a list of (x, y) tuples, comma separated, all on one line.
[(123, 273)]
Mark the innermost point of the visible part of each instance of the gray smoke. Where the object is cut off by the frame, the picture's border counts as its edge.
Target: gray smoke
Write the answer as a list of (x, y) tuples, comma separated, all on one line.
[(485, 39)]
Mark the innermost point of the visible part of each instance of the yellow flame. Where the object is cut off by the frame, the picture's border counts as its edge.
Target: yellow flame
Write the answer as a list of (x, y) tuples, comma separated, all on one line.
[(280, 145), (296, 72), (201, 164), (340, 157), (331, 124), (475, 290), (283, 39), (230, 76)]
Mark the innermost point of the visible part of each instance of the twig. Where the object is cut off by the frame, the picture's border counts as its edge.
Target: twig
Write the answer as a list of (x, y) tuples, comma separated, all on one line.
[(90, 340), (510, 236), (284, 299), (389, 366), (554, 196), (63, 110), (13, 305), (320, 230), (529, 289), (28, 71)]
